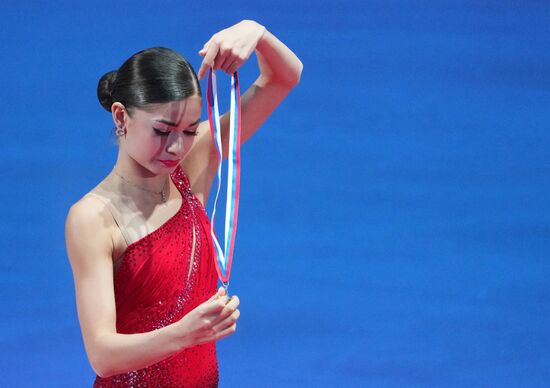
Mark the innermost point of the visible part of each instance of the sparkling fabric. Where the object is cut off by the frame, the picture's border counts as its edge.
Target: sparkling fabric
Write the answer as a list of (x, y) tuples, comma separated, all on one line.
[(152, 291)]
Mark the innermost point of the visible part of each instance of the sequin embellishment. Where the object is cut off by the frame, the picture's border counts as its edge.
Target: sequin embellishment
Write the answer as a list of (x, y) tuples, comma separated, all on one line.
[(157, 283)]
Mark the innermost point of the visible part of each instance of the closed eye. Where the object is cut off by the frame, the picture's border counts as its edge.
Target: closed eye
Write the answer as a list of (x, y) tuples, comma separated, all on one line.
[(195, 133), (161, 133), (166, 133)]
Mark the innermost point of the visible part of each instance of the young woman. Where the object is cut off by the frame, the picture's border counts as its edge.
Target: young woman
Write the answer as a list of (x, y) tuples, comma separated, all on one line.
[(139, 242)]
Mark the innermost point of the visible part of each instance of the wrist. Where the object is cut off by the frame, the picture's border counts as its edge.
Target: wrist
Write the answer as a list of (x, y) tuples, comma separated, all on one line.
[(179, 337), (262, 38)]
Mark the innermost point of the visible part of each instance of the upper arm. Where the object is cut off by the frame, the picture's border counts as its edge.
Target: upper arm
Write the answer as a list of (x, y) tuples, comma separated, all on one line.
[(89, 248), (257, 104)]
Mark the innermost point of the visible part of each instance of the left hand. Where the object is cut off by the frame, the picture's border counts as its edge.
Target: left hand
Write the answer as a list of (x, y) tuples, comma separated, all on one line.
[(230, 48)]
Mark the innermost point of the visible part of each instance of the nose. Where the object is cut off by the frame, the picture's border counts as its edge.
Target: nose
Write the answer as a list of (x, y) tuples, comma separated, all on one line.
[(176, 145)]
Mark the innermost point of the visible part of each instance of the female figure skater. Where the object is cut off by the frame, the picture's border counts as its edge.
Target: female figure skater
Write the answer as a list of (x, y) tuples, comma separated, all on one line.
[(139, 242)]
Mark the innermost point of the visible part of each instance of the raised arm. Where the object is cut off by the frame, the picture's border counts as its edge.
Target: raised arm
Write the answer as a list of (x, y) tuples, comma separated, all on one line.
[(280, 71)]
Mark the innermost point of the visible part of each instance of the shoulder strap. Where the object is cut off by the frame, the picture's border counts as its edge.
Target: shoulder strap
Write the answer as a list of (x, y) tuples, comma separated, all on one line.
[(181, 181), (116, 216)]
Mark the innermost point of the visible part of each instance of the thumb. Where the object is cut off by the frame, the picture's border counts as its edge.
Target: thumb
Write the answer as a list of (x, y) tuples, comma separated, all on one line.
[(202, 51), (219, 293)]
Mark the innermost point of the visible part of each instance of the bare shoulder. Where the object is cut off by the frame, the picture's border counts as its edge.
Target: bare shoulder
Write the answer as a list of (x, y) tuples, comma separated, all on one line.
[(90, 212), (88, 229), (89, 248)]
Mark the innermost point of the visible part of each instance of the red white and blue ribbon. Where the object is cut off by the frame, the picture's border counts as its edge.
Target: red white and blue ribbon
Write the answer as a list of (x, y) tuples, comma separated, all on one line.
[(224, 257)]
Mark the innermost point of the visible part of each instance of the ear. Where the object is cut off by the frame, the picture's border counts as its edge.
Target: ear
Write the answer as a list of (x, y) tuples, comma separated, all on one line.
[(120, 115)]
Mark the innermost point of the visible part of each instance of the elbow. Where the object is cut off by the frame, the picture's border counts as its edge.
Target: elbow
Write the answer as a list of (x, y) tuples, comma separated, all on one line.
[(99, 367), (289, 78), (100, 362), (292, 78), (99, 372), (102, 370)]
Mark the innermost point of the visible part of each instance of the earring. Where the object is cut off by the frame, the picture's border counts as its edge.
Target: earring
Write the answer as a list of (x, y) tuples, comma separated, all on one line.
[(120, 131)]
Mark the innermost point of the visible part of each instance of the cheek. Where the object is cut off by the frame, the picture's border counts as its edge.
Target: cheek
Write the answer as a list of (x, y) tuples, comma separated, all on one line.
[(189, 140), (144, 145), (179, 146), (156, 143)]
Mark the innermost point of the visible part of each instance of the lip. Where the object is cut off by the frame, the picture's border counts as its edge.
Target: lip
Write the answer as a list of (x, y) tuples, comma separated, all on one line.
[(169, 163)]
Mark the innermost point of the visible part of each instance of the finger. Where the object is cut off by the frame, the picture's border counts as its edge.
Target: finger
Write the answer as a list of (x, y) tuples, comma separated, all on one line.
[(227, 322), (232, 68), (220, 292), (240, 58), (221, 58), (208, 60), (227, 311), (243, 54), (228, 61), (203, 50), (226, 332), (234, 302), (215, 303), (213, 307)]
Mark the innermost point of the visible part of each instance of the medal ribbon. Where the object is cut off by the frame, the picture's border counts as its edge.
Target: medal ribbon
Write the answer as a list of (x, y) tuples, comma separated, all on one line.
[(225, 257)]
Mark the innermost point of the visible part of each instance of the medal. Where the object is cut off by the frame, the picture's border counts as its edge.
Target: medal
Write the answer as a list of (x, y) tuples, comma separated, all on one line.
[(224, 257)]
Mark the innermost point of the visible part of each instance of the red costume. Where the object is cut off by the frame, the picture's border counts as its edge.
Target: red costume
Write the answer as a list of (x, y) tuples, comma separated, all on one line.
[(152, 291)]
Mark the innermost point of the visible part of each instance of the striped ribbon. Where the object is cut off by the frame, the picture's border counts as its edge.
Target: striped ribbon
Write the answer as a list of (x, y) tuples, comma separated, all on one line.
[(224, 257)]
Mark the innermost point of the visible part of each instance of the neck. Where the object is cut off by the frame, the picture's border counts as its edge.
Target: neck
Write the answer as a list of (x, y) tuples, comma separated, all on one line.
[(138, 175)]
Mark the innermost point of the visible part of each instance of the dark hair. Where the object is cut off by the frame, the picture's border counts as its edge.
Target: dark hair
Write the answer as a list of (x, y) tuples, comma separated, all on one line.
[(154, 75)]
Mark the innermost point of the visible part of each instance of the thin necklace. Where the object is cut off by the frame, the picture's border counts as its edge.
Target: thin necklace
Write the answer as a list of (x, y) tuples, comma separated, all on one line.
[(161, 193)]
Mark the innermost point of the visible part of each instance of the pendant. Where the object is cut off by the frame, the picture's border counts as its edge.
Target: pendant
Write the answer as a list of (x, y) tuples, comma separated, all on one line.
[(226, 286)]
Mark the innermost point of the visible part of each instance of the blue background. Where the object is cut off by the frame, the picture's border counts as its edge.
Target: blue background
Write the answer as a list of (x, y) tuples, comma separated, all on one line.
[(395, 218)]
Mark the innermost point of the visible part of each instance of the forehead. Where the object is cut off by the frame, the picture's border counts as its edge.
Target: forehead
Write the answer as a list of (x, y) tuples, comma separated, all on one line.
[(187, 110)]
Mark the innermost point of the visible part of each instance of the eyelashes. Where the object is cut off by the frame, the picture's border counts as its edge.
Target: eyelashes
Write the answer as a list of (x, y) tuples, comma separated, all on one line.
[(166, 133), (161, 133)]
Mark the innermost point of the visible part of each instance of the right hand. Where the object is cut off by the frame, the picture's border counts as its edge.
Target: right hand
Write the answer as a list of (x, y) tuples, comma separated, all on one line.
[(210, 321), (229, 48)]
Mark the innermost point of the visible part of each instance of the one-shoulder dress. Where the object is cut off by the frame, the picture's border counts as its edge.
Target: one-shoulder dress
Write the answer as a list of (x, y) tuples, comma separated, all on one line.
[(152, 290)]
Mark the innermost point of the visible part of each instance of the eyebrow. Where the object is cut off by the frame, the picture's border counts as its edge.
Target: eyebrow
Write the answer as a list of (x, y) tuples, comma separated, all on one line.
[(164, 121)]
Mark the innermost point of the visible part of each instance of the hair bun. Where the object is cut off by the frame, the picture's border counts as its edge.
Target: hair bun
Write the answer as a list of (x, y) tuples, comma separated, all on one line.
[(152, 76), (105, 89)]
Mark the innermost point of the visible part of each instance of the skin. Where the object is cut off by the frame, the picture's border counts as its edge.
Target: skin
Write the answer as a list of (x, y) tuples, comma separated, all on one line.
[(149, 139), (94, 241)]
